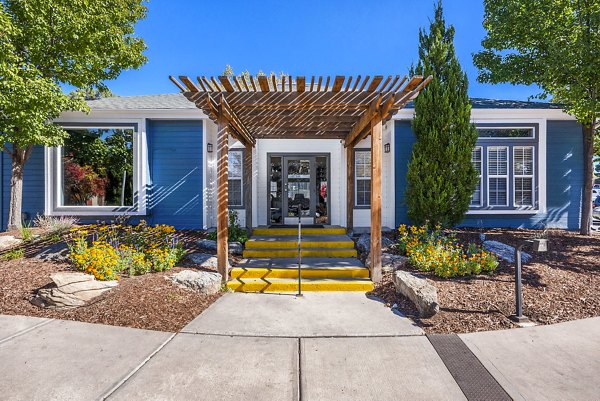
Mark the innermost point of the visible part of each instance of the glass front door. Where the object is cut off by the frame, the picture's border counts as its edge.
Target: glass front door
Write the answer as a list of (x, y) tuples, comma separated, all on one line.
[(299, 187)]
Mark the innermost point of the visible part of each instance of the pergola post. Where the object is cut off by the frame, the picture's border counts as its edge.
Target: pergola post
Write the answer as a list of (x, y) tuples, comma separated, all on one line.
[(376, 156), (222, 196), (248, 186), (350, 189)]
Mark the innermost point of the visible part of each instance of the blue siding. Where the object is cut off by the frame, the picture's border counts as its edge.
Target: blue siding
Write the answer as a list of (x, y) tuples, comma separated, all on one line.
[(175, 185), (564, 172), (404, 139), (33, 185)]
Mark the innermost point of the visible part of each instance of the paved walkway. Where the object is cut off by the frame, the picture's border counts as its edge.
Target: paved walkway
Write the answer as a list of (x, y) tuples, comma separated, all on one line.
[(319, 347)]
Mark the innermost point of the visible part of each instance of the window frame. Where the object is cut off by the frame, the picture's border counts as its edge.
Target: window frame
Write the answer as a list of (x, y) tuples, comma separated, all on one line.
[(356, 179), (482, 164), (54, 181), (497, 176), (242, 151), (533, 129), (532, 176)]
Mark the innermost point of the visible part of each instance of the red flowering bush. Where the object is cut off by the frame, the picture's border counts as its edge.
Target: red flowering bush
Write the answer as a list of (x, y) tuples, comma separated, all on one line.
[(82, 183)]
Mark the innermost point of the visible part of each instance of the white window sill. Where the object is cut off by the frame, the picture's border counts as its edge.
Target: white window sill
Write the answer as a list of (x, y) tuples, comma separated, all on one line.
[(502, 211)]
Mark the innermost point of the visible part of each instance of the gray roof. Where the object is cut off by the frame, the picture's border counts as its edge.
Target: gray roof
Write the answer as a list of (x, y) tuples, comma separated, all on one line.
[(167, 101), (171, 101), (479, 103)]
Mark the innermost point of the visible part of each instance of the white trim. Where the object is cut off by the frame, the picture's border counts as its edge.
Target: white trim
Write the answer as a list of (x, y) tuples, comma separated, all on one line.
[(506, 115), (518, 138), (357, 178), (471, 204), (503, 211), (532, 176), (54, 166)]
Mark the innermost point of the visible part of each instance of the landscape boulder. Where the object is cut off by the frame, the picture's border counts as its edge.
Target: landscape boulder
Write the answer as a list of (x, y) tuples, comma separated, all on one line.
[(505, 252), (71, 290), (235, 248), (200, 281), (8, 241), (389, 262), (57, 252), (205, 260), (416, 288), (363, 244), (208, 245)]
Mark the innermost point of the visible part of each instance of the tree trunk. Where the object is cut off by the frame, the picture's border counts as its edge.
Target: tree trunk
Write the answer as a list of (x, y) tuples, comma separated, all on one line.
[(588, 177), (19, 157)]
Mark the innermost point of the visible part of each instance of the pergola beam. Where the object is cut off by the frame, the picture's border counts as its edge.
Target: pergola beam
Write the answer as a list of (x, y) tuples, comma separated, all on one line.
[(222, 195)]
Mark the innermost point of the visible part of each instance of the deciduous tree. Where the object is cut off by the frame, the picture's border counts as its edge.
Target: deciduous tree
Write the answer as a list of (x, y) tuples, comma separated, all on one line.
[(48, 43), (554, 44)]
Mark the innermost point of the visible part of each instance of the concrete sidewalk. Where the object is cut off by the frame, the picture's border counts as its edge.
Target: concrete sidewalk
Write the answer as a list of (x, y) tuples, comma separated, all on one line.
[(378, 355)]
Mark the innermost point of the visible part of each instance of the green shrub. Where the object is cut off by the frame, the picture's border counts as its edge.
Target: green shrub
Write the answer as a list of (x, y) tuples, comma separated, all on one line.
[(432, 251), (13, 254), (106, 250), (26, 233), (235, 232)]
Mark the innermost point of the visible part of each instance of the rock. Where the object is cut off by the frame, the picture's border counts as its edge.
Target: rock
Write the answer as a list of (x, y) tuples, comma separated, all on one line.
[(505, 252), (8, 241), (58, 252), (203, 282), (205, 260), (419, 291), (363, 244), (208, 244), (236, 248), (70, 290), (389, 262)]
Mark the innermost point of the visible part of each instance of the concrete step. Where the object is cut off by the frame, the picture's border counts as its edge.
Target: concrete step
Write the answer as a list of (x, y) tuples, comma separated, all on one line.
[(308, 241), (289, 285), (291, 230), (311, 268), (293, 252), (341, 272)]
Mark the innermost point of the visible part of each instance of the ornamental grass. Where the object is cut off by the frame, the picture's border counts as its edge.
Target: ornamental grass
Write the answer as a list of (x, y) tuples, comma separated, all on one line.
[(109, 250), (434, 251)]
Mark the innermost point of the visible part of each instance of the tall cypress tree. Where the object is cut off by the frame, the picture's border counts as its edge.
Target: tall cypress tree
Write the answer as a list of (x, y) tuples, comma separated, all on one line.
[(441, 178)]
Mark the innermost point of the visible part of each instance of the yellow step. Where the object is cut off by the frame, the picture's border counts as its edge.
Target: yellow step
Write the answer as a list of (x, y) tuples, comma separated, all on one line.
[(294, 231), (287, 285), (291, 253), (306, 273), (282, 244)]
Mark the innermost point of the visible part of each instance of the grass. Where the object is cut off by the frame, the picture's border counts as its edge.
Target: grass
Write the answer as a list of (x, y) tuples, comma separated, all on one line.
[(13, 254)]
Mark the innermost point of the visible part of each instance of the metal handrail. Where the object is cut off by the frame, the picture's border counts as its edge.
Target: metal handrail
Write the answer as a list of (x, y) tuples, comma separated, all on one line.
[(299, 250)]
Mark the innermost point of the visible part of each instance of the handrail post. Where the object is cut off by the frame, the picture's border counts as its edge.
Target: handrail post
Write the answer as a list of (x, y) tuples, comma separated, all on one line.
[(299, 250)]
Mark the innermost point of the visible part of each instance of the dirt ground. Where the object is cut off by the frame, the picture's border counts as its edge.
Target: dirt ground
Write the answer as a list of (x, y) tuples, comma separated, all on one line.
[(146, 302), (560, 285)]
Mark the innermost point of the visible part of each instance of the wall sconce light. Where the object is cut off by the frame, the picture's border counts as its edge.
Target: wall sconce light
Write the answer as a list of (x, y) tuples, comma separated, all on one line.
[(386, 148), (209, 147)]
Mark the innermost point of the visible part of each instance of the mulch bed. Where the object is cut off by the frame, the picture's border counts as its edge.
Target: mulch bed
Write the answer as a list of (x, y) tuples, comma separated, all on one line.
[(560, 285), (146, 302)]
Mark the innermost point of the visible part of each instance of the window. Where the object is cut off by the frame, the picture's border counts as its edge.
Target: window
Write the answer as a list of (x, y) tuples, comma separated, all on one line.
[(477, 160), (96, 168), (362, 174), (505, 133), (236, 169), (497, 176), (523, 175)]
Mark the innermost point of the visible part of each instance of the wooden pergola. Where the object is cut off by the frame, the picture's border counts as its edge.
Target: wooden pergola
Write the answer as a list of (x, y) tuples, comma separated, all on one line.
[(345, 108)]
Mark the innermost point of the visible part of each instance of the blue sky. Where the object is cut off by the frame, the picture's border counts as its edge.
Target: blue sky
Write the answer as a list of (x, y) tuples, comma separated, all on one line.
[(351, 37)]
